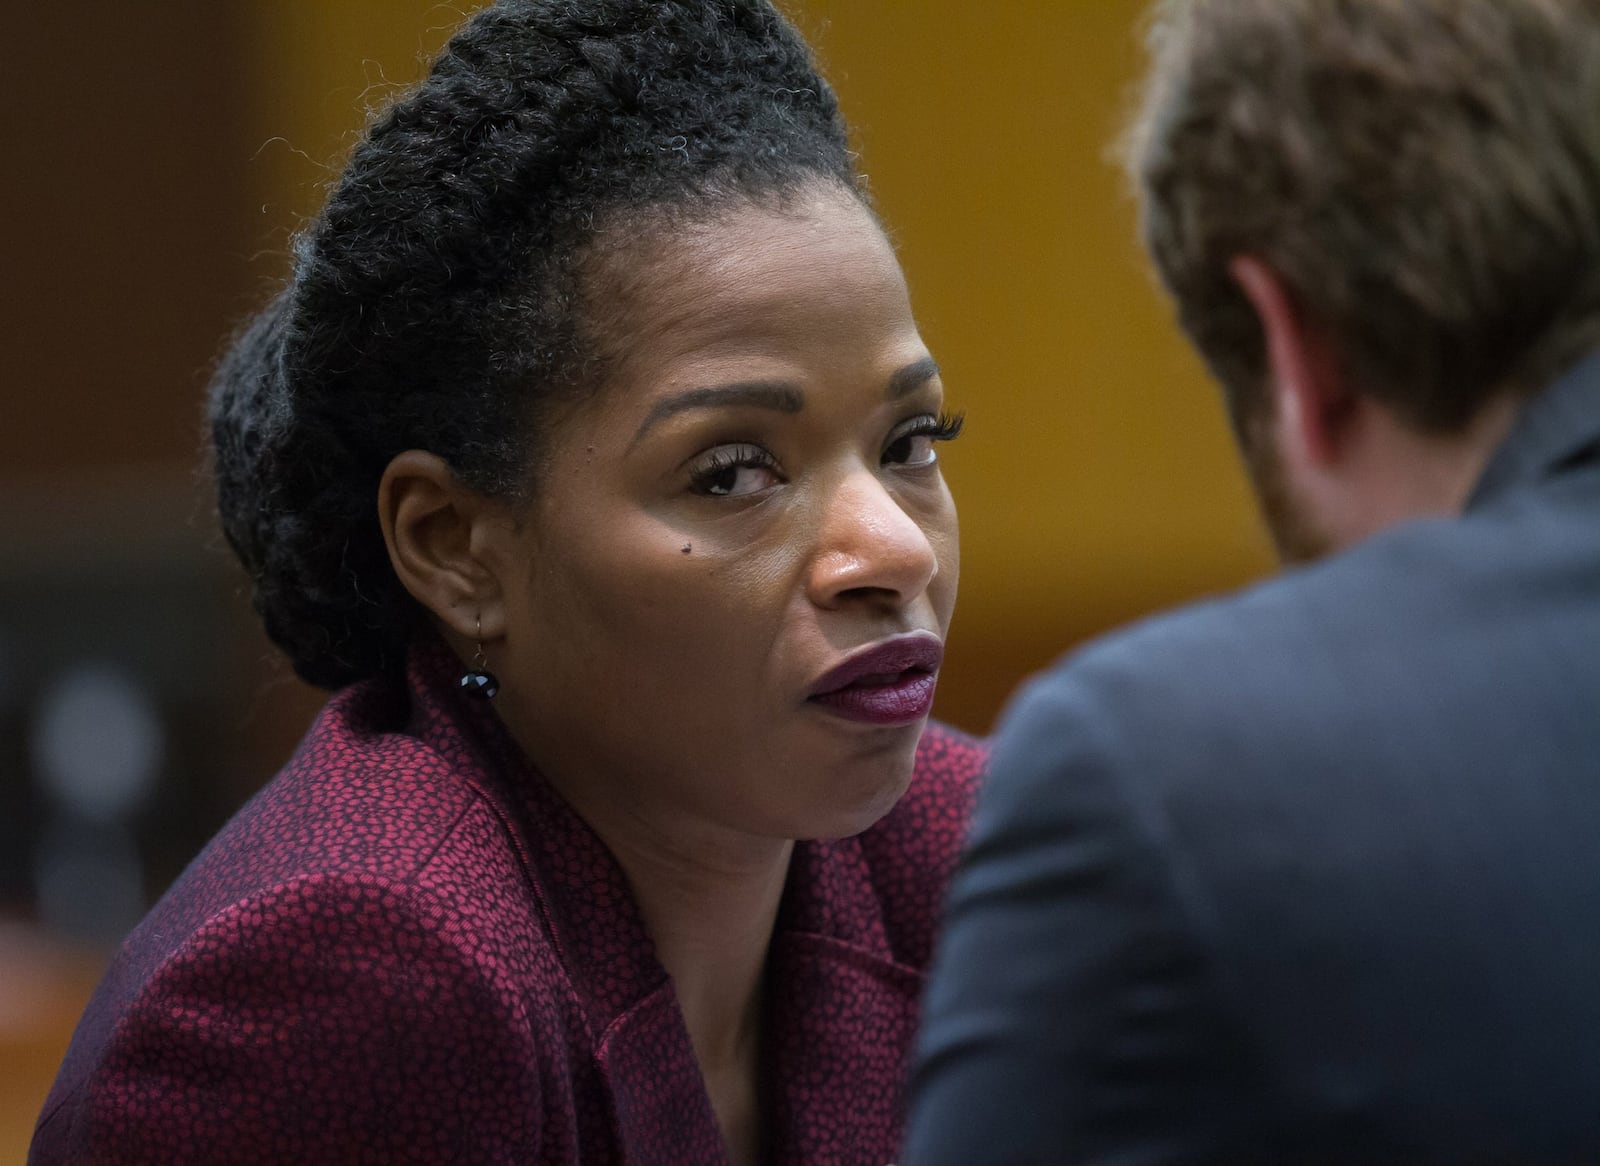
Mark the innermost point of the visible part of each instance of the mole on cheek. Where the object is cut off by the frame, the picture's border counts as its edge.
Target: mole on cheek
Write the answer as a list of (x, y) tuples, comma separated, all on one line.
[(688, 548)]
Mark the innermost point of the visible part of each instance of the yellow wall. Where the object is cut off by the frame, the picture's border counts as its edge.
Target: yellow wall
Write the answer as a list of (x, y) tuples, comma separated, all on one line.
[(1096, 481)]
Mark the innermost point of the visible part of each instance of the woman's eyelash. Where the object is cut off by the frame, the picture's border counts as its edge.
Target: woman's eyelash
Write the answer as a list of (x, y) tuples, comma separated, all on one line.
[(719, 462), (730, 457), (944, 427)]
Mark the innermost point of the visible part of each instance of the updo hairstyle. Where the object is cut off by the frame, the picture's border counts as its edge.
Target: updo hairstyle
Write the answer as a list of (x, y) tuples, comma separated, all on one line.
[(434, 303)]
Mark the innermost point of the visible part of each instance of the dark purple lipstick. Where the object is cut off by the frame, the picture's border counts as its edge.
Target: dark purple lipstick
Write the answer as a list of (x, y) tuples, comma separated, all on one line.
[(889, 683)]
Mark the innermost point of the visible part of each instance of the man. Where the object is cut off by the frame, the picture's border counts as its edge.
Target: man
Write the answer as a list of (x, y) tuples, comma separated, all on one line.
[(1313, 873)]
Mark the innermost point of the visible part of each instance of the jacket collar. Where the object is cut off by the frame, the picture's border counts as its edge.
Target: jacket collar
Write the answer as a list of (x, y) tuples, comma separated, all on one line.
[(587, 906), (1558, 428), (842, 1009)]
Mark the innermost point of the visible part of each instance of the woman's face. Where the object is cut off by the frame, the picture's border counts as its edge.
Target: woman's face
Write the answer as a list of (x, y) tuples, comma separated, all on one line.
[(729, 595)]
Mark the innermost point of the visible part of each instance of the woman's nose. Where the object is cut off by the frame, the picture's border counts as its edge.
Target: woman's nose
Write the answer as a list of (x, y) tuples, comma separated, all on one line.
[(869, 548)]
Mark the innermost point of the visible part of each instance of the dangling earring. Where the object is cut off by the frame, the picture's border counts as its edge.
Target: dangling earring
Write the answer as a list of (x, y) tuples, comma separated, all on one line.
[(479, 681)]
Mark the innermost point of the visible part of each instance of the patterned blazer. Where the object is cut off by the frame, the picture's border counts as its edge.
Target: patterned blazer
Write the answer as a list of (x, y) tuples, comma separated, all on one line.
[(408, 948)]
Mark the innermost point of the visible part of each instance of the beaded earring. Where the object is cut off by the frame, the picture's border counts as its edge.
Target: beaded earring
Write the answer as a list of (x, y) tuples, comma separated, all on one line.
[(478, 680)]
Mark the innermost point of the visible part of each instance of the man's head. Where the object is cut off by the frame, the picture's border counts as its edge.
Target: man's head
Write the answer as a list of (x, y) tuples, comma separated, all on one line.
[(1386, 206)]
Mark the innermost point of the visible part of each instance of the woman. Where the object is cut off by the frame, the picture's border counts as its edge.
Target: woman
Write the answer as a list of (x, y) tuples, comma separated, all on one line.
[(590, 455)]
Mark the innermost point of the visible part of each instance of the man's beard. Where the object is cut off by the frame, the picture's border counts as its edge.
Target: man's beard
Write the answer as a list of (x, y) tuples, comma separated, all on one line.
[(1295, 533)]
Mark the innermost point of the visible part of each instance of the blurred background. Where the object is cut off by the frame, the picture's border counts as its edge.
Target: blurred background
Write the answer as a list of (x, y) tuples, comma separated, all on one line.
[(162, 157)]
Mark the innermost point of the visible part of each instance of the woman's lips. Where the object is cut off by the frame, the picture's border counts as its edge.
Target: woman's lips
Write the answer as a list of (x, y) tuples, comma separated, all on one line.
[(887, 683)]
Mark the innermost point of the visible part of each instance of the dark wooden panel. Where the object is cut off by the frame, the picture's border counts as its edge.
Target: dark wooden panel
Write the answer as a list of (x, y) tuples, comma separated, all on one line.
[(125, 219)]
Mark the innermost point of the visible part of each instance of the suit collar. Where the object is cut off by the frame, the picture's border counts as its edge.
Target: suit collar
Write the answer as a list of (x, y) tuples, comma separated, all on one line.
[(587, 907), (838, 996), (843, 1012), (1556, 428), (634, 1028)]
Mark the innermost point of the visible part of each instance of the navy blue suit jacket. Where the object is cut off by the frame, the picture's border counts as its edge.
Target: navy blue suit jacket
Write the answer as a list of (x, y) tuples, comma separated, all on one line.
[(1308, 874)]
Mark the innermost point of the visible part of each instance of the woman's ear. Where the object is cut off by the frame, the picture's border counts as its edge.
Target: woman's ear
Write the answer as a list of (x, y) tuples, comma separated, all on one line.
[(437, 531)]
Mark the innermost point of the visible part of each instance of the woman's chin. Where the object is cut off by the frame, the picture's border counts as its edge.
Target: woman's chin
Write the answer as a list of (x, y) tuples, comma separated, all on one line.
[(865, 803)]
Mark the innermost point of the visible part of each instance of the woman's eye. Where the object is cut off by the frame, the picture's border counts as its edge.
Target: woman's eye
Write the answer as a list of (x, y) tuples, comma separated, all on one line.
[(912, 444), (736, 481), (734, 472), (914, 449)]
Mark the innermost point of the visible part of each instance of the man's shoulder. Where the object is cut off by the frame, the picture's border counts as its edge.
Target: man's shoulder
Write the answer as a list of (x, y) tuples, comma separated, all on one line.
[(1461, 646), (1212, 660), (1430, 590)]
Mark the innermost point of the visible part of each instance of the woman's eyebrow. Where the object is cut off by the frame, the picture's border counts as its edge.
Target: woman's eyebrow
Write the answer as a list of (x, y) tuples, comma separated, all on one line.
[(783, 396), (912, 377), (780, 395)]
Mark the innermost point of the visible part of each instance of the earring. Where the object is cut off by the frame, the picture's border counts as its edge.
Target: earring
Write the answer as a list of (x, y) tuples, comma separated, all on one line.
[(479, 681)]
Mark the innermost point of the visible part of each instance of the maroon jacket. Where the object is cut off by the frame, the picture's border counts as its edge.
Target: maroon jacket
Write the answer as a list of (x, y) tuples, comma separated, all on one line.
[(408, 948)]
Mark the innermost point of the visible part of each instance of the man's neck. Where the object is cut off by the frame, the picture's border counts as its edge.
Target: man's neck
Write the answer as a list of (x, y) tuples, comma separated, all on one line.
[(1400, 474)]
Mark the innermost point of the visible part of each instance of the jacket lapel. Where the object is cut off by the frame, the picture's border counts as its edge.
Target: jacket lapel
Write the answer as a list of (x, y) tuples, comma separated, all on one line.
[(657, 1088), (635, 1030), (842, 1010), (842, 1016)]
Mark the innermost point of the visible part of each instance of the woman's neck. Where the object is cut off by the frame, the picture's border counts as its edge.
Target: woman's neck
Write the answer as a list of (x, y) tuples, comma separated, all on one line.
[(708, 894)]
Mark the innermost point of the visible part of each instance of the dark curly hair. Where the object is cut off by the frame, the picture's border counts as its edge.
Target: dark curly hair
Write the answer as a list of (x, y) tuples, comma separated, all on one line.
[(434, 303)]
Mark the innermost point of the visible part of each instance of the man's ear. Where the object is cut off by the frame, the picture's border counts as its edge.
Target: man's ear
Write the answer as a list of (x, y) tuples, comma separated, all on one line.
[(1313, 404), (438, 531)]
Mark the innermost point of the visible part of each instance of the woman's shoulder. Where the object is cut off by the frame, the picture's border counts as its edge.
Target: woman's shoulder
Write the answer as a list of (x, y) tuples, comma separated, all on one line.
[(949, 762), (316, 1015), (361, 796), (930, 820), (364, 918), (363, 813), (949, 767)]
